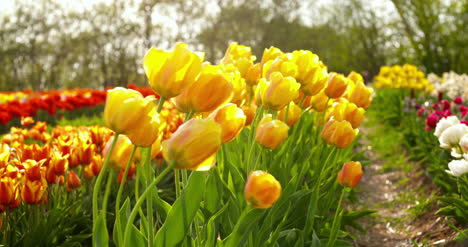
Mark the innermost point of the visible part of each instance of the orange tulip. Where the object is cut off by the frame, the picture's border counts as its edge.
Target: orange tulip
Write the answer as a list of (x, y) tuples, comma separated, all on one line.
[(350, 174), (33, 191), (252, 74), (194, 145), (271, 133), (337, 85), (73, 181), (249, 111), (170, 73), (319, 101), (339, 133), (7, 190), (232, 120), (261, 190), (34, 169)]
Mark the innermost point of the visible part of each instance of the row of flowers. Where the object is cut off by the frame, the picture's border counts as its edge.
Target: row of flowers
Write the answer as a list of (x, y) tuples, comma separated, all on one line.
[(28, 103), (256, 127)]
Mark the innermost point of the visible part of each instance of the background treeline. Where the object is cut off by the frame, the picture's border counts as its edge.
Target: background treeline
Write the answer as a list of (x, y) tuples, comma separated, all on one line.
[(45, 45)]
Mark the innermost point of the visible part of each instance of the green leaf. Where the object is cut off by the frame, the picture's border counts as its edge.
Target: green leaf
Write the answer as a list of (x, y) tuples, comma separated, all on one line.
[(182, 213), (100, 234), (121, 221), (137, 238), (243, 228)]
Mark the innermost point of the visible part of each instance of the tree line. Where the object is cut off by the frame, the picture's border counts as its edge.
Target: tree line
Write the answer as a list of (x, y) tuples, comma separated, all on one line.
[(45, 45)]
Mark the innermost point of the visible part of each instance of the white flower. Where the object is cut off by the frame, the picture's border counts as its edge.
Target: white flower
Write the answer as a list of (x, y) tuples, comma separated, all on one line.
[(457, 167), (444, 123), (464, 143), (452, 135), (456, 153)]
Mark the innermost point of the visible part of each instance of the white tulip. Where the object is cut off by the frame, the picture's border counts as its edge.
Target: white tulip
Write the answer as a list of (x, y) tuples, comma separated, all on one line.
[(457, 167), (452, 135), (444, 123), (464, 143)]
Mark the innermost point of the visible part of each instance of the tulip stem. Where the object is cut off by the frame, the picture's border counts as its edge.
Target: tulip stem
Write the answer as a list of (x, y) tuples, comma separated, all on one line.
[(107, 192), (177, 183), (149, 202), (97, 185), (160, 104), (188, 115), (251, 140), (336, 221), (142, 199), (119, 194)]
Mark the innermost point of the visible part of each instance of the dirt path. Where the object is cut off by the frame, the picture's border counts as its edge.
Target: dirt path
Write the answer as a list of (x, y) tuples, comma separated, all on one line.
[(405, 206)]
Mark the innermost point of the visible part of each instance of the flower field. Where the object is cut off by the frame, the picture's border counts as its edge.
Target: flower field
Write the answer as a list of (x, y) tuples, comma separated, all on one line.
[(250, 151)]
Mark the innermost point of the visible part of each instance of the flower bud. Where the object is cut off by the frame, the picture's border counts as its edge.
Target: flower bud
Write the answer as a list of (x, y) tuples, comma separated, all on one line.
[(350, 174), (338, 133), (347, 111), (33, 191), (194, 145), (280, 91), (125, 108), (212, 89), (336, 86), (457, 167), (249, 111), (73, 181), (121, 153), (359, 94), (271, 133), (232, 120), (261, 190), (169, 73)]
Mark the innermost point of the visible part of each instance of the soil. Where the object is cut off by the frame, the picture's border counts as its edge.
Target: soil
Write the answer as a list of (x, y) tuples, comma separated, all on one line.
[(398, 221)]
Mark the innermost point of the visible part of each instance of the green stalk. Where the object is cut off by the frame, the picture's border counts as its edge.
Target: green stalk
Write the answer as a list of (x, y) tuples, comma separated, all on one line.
[(177, 183), (97, 185), (160, 104), (149, 202), (119, 193), (124, 180), (336, 222), (106, 193), (251, 141), (142, 199)]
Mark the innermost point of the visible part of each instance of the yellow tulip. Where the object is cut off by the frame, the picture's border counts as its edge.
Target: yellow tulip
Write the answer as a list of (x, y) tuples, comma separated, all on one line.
[(169, 73), (231, 119), (237, 52), (305, 61), (261, 190), (194, 145), (359, 94), (281, 90), (294, 114), (319, 101), (125, 108), (339, 133), (355, 77), (212, 89), (347, 111), (271, 133), (315, 81), (282, 65), (337, 85)]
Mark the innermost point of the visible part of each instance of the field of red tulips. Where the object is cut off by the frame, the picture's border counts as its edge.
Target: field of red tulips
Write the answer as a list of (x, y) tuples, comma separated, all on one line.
[(246, 152)]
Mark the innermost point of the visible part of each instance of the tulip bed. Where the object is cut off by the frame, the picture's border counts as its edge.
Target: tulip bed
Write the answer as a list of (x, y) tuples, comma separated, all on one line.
[(241, 153), (45, 105), (434, 130)]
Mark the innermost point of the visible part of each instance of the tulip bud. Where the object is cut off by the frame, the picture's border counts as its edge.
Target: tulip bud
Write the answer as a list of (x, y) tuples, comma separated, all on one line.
[(337, 85), (338, 133), (319, 101), (261, 190), (194, 145), (457, 167), (355, 77), (280, 91), (33, 191), (125, 108), (121, 153), (7, 190), (212, 89), (252, 75), (249, 111), (294, 114), (73, 181), (271, 133), (232, 120), (350, 174), (347, 111), (169, 73), (359, 94)]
